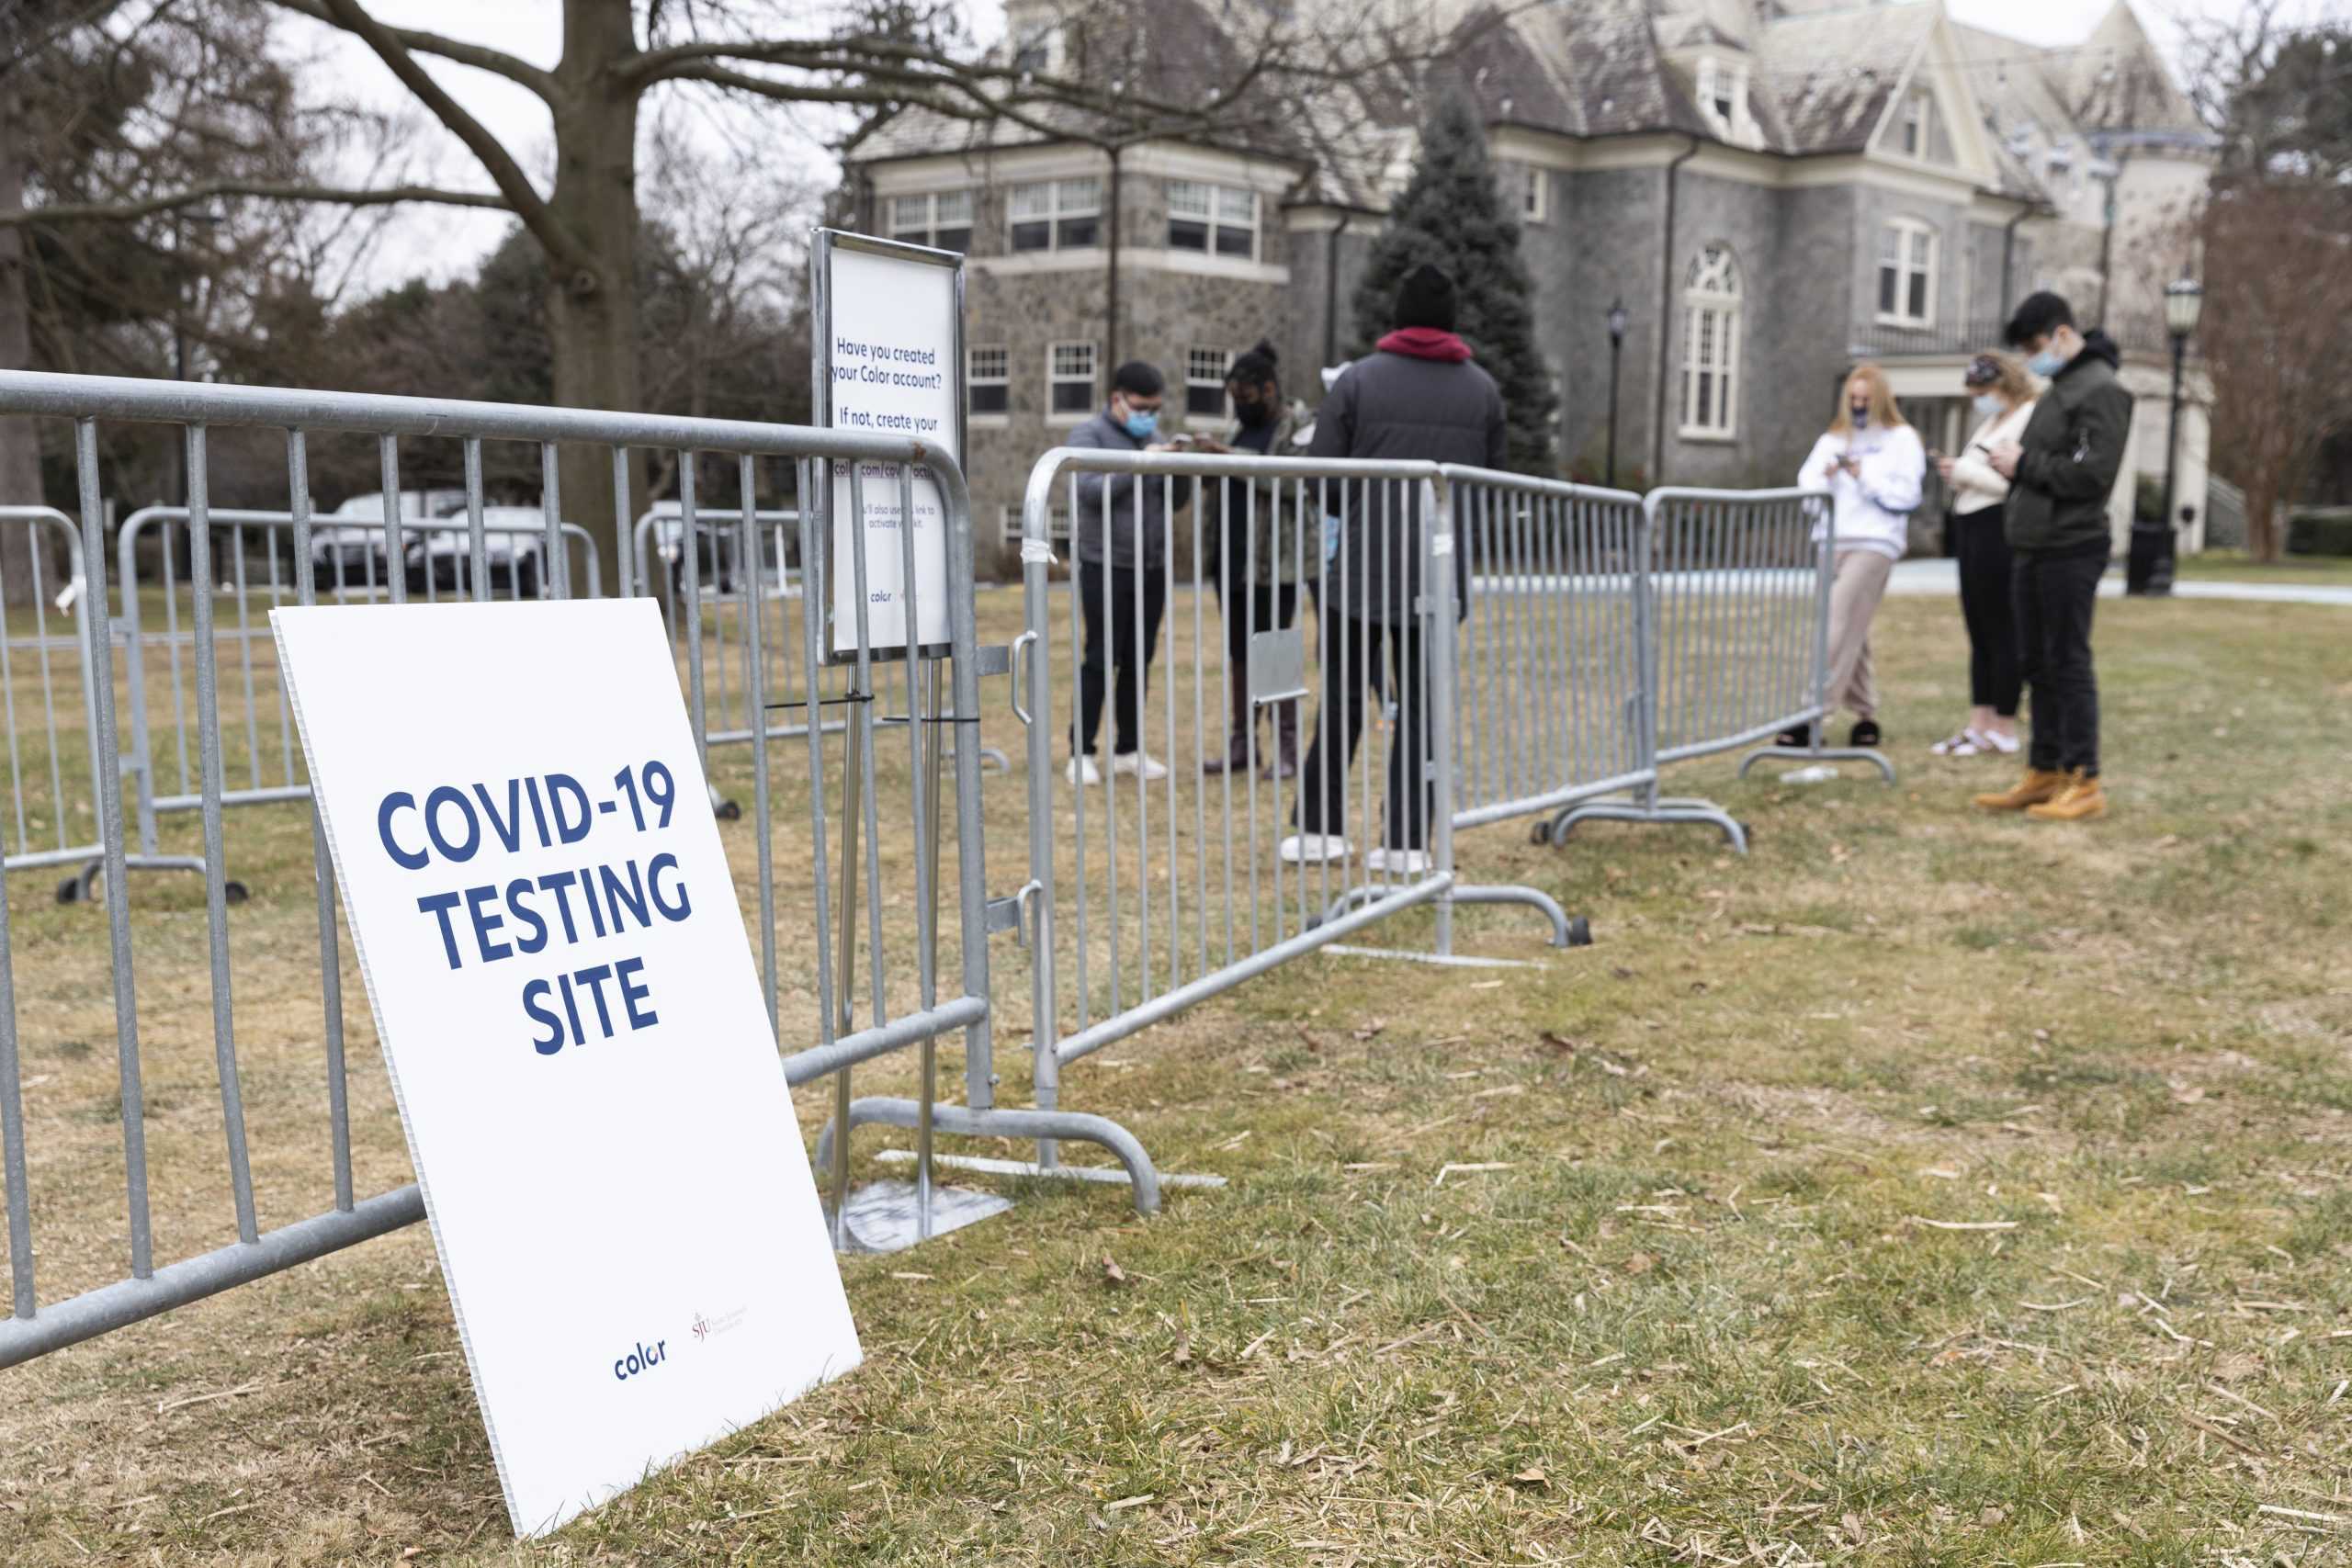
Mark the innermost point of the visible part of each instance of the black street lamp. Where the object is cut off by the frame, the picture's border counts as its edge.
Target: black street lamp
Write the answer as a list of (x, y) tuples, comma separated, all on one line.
[(1617, 322), (2184, 303)]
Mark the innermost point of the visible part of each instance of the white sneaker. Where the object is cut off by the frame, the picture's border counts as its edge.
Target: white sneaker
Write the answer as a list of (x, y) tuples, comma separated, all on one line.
[(1998, 743), (1126, 763), (1083, 771), (1312, 849), (1398, 863)]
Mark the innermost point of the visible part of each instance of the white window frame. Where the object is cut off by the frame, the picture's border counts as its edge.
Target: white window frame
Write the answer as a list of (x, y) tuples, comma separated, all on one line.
[(926, 232), (1214, 222), (1208, 367), (1907, 268), (1712, 319), (1061, 207), (1056, 377), (1528, 188), (1917, 125), (974, 378), (1727, 79)]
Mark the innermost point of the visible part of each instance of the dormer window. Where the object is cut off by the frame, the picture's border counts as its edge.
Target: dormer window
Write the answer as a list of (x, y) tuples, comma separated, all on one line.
[(1918, 117), (1723, 96)]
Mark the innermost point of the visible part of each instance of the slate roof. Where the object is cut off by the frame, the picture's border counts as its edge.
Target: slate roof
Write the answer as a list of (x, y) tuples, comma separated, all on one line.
[(1821, 74)]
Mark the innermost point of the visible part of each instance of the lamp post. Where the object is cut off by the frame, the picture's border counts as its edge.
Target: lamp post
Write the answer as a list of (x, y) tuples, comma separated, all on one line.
[(1617, 322), (2184, 303)]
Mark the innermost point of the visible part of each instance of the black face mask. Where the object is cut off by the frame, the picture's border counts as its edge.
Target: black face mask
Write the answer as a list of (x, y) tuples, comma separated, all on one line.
[(1255, 414)]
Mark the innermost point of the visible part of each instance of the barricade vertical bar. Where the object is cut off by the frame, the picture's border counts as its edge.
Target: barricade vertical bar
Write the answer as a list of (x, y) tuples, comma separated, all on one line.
[(755, 697), (920, 736), (1168, 688), (630, 578), (9, 712), (298, 472), (865, 805), (478, 543), (207, 709), (1243, 601), (1200, 727), (47, 701), (814, 513), (12, 1130), (1037, 607), (172, 649), (555, 570), (285, 709), (691, 528), (388, 463), (1437, 723), (245, 650), (107, 750), (1143, 710)]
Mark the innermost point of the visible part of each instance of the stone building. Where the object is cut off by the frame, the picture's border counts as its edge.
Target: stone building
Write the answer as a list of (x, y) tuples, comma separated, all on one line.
[(1771, 189)]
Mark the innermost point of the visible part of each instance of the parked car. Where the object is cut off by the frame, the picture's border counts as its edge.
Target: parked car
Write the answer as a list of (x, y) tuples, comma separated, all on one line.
[(720, 531), (350, 555), (440, 553)]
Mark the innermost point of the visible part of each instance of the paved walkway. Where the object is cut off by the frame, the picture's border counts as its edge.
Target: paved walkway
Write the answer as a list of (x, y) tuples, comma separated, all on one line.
[(1940, 577)]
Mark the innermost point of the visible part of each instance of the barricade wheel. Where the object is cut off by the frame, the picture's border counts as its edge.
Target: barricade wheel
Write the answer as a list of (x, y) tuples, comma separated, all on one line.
[(233, 891), (1540, 832), (728, 811), (1579, 932), (70, 890)]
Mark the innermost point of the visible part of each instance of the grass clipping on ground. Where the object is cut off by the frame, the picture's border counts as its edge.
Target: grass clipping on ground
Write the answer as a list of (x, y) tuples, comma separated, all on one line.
[(1925, 1188)]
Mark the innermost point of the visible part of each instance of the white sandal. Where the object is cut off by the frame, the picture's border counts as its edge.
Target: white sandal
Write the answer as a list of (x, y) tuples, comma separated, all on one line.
[(1964, 743), (1996, 743)]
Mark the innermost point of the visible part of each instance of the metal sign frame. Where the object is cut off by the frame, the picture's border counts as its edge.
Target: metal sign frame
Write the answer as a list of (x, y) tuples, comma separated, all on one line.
[(823, 243)]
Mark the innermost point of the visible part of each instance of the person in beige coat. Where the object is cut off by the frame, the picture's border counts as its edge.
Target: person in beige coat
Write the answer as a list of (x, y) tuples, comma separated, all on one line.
[(2004, 399)]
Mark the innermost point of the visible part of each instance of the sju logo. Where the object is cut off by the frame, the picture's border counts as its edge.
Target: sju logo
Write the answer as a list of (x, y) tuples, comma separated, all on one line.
[(640, 1360)]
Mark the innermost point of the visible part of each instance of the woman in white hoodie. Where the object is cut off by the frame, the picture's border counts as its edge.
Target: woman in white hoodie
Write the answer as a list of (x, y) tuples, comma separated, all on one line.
[(1872, 464), (2004, 395)]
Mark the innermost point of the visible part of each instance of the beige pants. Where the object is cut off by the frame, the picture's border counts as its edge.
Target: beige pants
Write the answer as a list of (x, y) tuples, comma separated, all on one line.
[(1854, 593)]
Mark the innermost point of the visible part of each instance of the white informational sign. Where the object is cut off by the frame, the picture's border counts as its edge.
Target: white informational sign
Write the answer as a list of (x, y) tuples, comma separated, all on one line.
[(889, 362), (574, 1029)]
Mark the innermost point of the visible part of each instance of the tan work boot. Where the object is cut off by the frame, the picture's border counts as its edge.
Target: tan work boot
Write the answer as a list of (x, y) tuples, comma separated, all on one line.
[(2039, 784), (2081, 800)]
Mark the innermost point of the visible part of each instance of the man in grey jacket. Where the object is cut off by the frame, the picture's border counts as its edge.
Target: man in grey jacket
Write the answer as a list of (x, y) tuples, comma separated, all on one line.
[(1418, 396), (1120, 536), (2061, 470)]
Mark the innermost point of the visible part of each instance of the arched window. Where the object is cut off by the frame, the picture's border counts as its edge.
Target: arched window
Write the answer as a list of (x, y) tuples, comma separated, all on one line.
[(1710, 345)]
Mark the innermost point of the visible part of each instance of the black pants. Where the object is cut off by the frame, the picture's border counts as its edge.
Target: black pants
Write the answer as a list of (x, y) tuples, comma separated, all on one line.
[(1263, 607), (1353, 654), (2055, 595), (1988, 604), (1117, 641)]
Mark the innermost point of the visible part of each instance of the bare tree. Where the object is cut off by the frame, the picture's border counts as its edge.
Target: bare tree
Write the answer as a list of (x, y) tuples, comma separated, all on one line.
[(868, 58), (2277, 338)]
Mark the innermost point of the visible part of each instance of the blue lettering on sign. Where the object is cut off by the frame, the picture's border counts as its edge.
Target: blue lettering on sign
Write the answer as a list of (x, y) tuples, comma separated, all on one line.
[(640, 1360), (500, 918)]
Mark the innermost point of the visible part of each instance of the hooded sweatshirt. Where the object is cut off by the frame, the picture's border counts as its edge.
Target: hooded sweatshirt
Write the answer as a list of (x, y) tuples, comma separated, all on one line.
[(2072, 450), (1872, 510)]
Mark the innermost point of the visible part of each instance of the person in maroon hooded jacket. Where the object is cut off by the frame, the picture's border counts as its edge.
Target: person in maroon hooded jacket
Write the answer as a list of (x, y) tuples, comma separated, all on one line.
[(1417, 396)]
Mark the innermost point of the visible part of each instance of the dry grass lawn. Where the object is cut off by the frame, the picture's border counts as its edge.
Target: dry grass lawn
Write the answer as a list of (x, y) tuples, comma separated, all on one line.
[(1924, 1188)]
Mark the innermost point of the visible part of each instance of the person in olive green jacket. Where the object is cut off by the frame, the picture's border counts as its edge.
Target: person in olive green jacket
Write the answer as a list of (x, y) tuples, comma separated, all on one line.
[(2061, 471), (1255, 539)]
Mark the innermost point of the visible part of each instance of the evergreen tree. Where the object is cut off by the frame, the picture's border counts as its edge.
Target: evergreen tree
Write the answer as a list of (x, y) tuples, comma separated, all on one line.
[(1452, 215)]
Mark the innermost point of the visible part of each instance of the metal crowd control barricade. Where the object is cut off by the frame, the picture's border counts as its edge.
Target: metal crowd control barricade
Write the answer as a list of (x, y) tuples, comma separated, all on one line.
[(1552, 699), (51, 817), (841, 1037), (1149, 891), (257, 557), (1736, 602)]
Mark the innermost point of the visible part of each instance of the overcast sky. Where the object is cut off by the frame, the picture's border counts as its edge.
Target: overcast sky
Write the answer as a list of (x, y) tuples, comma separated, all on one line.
[(446, 241)]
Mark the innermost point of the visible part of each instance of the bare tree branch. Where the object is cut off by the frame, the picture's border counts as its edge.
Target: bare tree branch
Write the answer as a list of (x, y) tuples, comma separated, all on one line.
[(145, 206), (496, 61), (522, 199)]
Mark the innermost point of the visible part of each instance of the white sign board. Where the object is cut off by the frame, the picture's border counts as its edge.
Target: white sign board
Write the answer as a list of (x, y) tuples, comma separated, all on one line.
[(889, 362), (575, 1034)]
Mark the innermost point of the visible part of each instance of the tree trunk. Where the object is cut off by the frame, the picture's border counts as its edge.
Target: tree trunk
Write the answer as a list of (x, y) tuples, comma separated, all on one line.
[(592, 315), (20, 438)]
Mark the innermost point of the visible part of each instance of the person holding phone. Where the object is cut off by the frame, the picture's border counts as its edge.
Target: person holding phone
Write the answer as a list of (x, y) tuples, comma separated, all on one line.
[(1872, 465), (2004, 402), (1255, 544)]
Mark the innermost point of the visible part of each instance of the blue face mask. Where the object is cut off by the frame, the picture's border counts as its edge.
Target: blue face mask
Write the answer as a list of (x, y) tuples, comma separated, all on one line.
[(2046, 363), (1988, 405), (1142, 426)]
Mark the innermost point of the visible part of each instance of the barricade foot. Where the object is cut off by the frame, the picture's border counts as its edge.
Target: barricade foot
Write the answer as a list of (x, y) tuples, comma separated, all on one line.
[(1565, 931), (963, 1122), (1826, 754), (1672, 809), (85, 885)]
